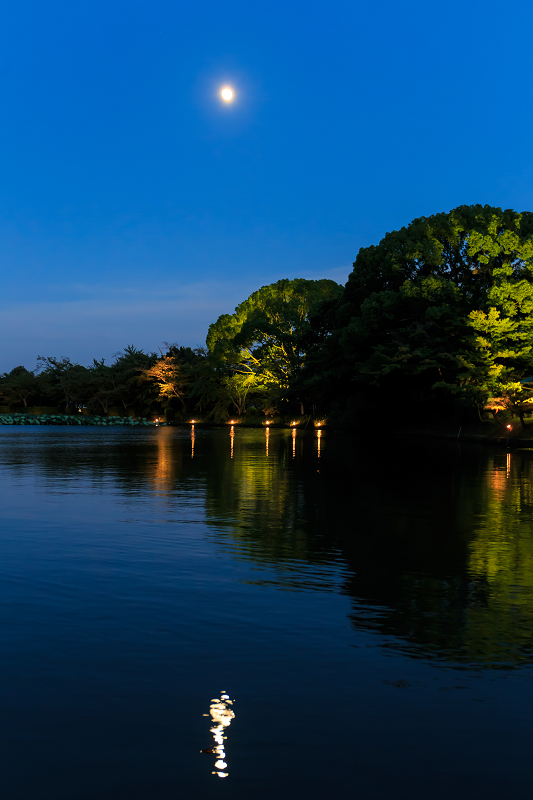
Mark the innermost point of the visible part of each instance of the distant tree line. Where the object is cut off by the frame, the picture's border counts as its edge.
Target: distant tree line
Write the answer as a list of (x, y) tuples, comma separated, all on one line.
[(436, 318)]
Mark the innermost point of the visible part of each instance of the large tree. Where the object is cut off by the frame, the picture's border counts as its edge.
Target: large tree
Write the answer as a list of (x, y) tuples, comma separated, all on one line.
[(262, 345), (443, 305)]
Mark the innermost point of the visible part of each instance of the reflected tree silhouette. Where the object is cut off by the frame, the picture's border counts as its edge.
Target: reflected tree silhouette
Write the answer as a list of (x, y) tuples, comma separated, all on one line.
[(433, 543)]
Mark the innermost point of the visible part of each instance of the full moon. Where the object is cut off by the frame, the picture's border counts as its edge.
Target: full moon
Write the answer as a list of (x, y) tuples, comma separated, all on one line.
[(226, 94)]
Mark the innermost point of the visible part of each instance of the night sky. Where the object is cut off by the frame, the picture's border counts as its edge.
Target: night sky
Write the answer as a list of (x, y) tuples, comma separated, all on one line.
[(135, 206)]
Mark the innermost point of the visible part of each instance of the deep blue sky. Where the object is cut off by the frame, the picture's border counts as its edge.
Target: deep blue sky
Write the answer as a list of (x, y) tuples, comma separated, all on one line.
[(135, 208)]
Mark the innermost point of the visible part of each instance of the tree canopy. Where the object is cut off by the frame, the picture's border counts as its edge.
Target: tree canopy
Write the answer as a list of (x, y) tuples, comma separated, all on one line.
[(263, 344), (440, 307)]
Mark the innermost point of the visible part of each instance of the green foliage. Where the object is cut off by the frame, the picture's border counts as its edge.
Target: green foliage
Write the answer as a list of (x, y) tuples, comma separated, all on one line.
[(261, 347), (439, 309), (471, 246)]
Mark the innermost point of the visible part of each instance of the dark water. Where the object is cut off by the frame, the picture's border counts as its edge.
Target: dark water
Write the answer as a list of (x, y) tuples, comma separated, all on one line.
[(368, 608)]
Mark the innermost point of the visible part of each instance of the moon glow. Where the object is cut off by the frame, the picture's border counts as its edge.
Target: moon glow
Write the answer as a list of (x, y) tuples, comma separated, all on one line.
[(227, 94)]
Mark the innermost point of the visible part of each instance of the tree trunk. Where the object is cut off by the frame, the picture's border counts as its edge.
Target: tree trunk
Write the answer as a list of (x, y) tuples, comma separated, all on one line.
[(494, 414), (302, 411), (521, 415)]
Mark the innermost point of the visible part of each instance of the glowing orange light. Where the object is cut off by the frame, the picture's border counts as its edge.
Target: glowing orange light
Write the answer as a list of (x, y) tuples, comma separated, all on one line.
[(509, 427)]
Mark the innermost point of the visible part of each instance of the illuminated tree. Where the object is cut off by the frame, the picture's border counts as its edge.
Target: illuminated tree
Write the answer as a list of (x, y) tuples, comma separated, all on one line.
[(169, 375), (442, 307), (262, 345)]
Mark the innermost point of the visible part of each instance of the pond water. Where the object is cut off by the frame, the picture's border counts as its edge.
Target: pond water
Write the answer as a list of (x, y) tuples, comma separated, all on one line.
[(319, 614)]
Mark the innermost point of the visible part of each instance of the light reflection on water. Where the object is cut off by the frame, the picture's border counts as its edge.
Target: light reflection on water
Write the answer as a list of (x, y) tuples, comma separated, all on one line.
[(222, 714), (438, 554), (153, 557)]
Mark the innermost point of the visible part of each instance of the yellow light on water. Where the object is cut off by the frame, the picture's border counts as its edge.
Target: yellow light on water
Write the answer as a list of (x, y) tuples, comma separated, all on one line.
[(221, 716)]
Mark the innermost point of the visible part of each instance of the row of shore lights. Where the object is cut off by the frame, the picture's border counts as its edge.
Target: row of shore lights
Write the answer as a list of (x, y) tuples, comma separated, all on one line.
[(232, 422)]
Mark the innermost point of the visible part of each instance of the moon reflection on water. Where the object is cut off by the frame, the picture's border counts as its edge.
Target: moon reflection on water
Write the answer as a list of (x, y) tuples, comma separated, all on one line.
[(221, 716)]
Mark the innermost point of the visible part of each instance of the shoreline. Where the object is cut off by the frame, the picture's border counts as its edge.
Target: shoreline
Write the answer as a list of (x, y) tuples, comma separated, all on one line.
[(488, 432), (21, 418)]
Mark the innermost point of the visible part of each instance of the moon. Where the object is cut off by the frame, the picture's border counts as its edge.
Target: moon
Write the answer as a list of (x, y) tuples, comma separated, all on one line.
[(227, 94)]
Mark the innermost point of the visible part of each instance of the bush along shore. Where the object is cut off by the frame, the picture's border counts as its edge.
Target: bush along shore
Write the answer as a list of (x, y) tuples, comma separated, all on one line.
[(74, 419)]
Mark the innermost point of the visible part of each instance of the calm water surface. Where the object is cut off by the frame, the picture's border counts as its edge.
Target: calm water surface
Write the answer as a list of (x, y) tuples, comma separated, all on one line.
[(366, 611)]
